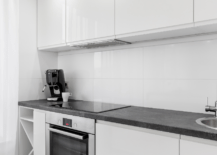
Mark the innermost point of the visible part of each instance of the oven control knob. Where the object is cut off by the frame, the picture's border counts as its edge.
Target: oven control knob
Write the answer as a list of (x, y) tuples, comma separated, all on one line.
[(59, 122), (75, 125)]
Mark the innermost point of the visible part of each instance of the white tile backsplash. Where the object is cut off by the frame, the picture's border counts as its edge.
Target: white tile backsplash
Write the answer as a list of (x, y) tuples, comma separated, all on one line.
[(154, 62), (128, 63), (81, 89), (183, 95), (190, 61), (103, 90), (103, 62), (130, 92), (176, 76), (119, 91), (77, 66), (193, 60)]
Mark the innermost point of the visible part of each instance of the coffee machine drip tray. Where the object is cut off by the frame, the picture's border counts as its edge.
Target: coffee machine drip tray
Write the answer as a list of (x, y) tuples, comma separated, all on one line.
[(94, 107)]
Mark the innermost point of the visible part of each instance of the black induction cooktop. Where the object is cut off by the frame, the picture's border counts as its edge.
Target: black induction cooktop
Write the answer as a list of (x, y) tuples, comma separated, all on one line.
[(94, 107)]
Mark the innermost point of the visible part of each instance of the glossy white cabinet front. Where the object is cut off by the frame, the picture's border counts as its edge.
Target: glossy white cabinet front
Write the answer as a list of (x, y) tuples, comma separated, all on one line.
[(141, 15), (196, 146), (112, 140), (51, 22), (89, 19), (39, 132), (205, 10)]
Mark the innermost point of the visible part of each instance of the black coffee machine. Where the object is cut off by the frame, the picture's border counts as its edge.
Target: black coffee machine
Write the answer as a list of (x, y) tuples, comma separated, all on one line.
[(56, 82)]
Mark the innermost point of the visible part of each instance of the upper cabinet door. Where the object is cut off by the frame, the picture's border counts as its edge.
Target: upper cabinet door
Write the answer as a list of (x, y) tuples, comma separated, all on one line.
[(51, 22), (89, 19), (205, 10), (141, 15)]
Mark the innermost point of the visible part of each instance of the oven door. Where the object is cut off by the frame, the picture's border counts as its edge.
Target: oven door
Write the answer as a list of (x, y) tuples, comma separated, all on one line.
[(64, 141)]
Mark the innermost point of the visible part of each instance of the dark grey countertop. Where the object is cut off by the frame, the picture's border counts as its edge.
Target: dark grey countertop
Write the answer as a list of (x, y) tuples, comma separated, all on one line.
[(157, 119)]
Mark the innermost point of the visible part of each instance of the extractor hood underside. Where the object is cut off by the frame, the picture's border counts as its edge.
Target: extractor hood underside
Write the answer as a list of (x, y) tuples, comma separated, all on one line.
[(98, 44)]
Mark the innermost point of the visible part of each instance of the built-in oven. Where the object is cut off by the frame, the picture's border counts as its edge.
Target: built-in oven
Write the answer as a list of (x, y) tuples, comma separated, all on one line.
[(69, 135)]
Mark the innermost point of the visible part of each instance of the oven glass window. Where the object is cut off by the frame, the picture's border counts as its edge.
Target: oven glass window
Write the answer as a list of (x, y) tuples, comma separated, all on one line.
[(65, 145)]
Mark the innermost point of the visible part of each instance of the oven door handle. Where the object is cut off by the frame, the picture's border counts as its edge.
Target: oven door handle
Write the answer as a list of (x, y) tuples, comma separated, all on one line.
[(67, 134)]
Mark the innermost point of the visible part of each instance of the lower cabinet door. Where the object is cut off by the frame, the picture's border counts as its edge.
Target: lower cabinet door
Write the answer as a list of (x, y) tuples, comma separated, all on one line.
[(39, 132), (115, 140), (197, 146)]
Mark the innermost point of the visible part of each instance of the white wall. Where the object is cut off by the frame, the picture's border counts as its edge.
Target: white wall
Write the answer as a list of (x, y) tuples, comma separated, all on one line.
[(177, 75), (33, 63)]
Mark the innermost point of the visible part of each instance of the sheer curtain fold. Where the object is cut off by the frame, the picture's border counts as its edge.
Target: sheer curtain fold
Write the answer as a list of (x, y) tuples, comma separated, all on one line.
[(9, 79)]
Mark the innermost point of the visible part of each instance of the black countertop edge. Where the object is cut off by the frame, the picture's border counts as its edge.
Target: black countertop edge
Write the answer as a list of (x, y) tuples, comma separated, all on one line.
[(62, 110), (97, 116)]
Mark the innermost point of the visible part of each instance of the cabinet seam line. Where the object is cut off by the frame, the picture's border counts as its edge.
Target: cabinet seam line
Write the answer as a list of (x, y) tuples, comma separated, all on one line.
[(114, 20), (193, 9)]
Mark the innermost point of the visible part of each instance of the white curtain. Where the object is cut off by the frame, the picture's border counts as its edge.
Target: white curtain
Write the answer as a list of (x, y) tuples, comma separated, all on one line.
[(9, 66)]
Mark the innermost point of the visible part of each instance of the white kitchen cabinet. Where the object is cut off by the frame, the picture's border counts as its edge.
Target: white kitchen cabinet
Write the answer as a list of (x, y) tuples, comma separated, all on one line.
[(51, 23), (142, 15), (39, 132), (205, 10), (87, 19), (115, 139), (197, 146), (26, 138), (31, 131), (205, 16)]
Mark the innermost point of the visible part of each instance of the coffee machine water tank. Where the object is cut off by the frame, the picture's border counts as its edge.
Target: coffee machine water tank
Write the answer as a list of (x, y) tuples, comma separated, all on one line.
[(56, 83)]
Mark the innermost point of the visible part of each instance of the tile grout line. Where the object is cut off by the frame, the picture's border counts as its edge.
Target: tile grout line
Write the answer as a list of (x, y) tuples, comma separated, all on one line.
[(193, 12), (114, 20), (179, 145), (143, 72), (216, 89), (93, 79)]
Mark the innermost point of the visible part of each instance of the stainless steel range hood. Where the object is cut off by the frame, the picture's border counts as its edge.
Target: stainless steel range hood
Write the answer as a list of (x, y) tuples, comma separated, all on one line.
[(98, 44)]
